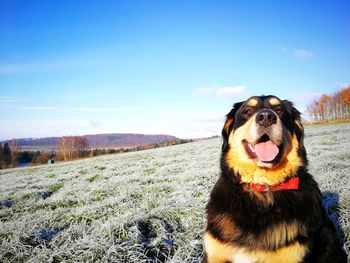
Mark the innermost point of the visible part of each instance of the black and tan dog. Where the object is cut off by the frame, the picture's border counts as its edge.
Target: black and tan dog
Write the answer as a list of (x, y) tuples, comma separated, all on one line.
[(266, 207)]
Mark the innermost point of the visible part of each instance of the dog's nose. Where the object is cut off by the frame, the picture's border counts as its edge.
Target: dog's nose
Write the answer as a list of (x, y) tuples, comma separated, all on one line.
[(266, 118)]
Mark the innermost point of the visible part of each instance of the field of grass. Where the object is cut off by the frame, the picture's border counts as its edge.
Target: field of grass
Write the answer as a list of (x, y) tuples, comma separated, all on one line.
[(142, 206)]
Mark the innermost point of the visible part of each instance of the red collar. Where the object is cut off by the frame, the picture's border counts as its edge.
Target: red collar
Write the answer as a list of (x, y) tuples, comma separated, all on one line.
[(291, 184)]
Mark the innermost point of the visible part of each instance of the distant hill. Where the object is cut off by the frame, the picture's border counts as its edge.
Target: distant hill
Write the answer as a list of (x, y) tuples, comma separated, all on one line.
[(125, 139), (110, 140)]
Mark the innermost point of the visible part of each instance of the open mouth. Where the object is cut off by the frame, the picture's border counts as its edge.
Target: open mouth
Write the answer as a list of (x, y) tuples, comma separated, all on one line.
[(264, 149)]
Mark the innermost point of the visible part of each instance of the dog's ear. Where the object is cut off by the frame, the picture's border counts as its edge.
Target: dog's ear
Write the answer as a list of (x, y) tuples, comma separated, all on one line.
[(297, 123), (230, 119), (296, 116), (297, 128)]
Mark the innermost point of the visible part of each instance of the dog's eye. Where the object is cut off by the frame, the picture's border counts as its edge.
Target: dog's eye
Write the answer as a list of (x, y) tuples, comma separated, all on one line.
[(278, 110), (248, 111)]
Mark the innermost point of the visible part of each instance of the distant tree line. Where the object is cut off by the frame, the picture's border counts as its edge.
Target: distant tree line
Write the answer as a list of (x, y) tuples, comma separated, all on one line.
[(112, 140), (11, 156), (5, 156), (330, 107), (74, 147), (8, 154), (68, 148)]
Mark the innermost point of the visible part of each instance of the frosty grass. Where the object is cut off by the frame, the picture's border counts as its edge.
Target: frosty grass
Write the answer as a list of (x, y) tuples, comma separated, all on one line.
[(143, 206)]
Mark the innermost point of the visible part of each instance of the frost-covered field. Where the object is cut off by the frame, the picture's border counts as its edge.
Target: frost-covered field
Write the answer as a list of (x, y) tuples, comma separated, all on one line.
[(143, 206)]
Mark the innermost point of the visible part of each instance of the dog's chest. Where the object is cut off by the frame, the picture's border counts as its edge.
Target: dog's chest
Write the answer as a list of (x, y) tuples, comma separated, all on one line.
[(291, 254), (218, 251)]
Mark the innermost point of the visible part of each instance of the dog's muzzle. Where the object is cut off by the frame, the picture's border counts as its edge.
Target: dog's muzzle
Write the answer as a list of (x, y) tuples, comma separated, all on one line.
[(266, 118)]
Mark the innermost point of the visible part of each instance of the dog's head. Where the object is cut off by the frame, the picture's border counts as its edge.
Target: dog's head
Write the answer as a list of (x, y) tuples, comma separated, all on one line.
[(263, 140)]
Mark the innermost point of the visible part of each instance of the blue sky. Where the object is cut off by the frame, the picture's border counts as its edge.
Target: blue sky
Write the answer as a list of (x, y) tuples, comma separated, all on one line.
[(173, 67)]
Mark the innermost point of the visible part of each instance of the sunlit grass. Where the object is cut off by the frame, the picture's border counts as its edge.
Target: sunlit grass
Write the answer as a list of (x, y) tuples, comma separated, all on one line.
[(144, 206)]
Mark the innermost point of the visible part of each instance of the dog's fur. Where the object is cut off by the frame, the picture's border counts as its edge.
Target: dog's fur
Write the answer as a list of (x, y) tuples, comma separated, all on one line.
[(272, 226)]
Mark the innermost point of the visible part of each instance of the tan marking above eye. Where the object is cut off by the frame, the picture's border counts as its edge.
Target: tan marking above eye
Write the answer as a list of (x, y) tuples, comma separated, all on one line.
[(252, 102), (274, 101)]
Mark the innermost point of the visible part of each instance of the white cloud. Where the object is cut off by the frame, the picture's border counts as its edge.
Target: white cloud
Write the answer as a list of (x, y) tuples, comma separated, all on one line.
[(209, 117), (38, 108), (304, 98), (302, 53), (226, 92), (95, 123), (6, 99), (13, 69), (40, 128), (298, 53), (204, 91), (78, 109), (104, 109), (284, 49), (67, 63), (341, 85), (230, 91)]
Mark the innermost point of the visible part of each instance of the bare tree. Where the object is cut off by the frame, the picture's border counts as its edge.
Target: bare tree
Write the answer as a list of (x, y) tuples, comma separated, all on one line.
[(14, 151), (71, 146), (331, 107)]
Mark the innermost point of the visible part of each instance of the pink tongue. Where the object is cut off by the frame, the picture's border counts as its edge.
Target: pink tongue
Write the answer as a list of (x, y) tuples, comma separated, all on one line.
[(266, 151)]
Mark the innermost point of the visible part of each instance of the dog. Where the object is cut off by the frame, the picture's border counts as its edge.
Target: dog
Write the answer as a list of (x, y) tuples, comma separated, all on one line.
[(265, 206)]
